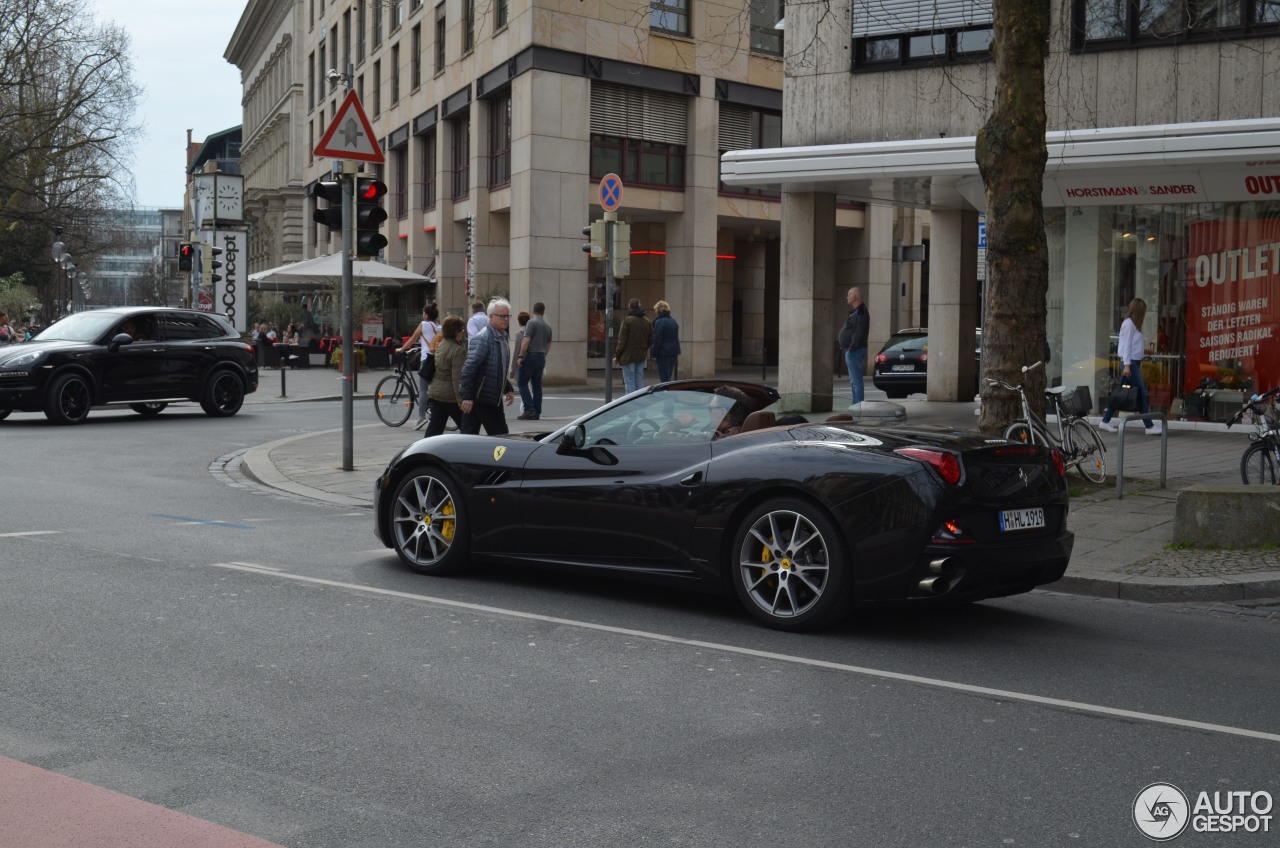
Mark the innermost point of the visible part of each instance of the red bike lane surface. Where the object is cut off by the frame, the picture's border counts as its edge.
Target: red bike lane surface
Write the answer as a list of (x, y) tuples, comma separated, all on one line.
[(42, 809)]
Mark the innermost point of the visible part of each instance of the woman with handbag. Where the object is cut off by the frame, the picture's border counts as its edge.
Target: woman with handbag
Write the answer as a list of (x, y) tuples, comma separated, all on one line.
[(424, 335), (1131, 350)]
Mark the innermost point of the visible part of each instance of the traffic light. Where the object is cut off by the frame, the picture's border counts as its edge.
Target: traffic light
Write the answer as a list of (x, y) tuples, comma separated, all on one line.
[(369, 216), (185, 252), (210, 264), (621, 249), (331, 192), (596, 247)]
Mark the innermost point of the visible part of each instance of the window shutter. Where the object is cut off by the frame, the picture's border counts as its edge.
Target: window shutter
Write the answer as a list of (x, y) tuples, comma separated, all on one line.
[(892, 17), (639, 114), (735, 127)]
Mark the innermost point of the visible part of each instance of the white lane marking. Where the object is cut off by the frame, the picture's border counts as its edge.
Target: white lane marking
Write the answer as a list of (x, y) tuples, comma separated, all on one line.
[(30, 533), (934, 682), (250, 565)]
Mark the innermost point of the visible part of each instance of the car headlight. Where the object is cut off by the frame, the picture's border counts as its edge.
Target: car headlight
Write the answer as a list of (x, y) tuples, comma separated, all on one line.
[(24, 360)]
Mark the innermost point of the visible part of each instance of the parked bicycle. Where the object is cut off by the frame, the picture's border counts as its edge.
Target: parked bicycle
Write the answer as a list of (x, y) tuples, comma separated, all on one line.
[(397, 393), (1261, 460), (1080, 445)]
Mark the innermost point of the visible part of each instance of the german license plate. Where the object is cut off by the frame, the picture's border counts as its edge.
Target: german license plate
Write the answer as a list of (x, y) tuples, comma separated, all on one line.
[(904, 368), (1021, 519)]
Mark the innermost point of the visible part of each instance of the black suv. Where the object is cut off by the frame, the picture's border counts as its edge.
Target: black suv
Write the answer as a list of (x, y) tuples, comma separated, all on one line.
[(145, 357)]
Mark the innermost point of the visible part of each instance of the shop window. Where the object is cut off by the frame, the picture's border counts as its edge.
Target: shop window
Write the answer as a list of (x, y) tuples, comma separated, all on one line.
[(500, 141), (670, 16), (1107, 23)]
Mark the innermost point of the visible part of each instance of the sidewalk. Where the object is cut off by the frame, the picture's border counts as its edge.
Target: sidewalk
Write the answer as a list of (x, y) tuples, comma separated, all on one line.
[(1122, 547)]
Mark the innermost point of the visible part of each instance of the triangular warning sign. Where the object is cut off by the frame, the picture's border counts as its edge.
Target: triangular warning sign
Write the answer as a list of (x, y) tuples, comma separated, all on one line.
[(350, 136)]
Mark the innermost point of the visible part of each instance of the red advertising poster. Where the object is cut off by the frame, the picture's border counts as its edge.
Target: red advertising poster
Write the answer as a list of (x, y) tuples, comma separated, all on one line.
[(1233, 303)]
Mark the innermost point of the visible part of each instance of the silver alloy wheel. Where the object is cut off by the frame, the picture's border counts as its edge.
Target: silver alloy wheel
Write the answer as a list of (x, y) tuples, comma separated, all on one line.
[(424, 520), (784, 563)]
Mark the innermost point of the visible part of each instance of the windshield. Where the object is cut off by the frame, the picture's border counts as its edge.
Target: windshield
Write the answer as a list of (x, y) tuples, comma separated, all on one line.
[(80, 327), (660, 416)]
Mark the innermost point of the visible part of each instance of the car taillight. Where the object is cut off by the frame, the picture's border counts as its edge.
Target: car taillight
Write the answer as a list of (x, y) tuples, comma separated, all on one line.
[(924, 357), (945, 463), (951, 532), (1058, 463), (881, 358)]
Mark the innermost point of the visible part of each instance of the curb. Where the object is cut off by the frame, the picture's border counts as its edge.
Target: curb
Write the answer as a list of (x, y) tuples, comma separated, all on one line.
[(1159, 590), (257, 465)]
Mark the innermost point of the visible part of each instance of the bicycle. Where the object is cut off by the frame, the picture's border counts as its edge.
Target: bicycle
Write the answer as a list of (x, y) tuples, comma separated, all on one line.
[(397, 393), (1261, 460), (1080, 445)]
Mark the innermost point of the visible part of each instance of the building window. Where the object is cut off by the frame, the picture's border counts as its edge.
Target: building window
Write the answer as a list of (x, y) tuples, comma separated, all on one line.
[(395, 74), (415, 58), (460, 162), (930, 32), (744, 128), (765, 36), (362, 21), (1123, 22), (638, 134), (346, 40), (400, 160), (500, 140), (441, 32), (377, 23), (669, 16), (429, 170), (500, 14), (377, 88), (311, 81), (469, 26), (397, 14), (323, 69), (360, 87)]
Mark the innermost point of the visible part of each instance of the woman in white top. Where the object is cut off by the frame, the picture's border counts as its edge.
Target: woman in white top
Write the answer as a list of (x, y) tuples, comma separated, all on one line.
[(422, 335), (1131, 349)]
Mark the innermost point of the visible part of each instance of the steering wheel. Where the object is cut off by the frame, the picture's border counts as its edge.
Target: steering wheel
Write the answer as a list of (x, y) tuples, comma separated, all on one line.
[(636, 431)]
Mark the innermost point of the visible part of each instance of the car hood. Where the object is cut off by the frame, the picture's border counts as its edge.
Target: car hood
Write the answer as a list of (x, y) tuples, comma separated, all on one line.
[(9, 352)]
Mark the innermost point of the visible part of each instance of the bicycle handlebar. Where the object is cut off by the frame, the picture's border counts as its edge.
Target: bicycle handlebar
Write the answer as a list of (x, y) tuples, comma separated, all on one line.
[(1032, 367), (1252, 405)]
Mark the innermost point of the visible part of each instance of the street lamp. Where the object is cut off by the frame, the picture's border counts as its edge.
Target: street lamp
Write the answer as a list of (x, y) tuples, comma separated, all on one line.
[(69, 267)]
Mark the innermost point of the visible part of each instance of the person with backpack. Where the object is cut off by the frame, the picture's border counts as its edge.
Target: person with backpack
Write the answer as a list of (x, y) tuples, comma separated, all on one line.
[(427, 336)]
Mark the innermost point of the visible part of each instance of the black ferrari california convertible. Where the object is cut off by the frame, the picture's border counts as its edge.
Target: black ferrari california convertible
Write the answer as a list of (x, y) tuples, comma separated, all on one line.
[(799, 519)]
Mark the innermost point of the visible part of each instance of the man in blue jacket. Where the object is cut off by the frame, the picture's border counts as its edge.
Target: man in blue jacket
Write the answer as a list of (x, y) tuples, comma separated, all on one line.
[(484, 376), (853, 341)]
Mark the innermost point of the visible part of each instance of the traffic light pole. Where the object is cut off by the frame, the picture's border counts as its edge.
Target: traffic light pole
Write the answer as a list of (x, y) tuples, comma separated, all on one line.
[(347, 177), (610, 286)]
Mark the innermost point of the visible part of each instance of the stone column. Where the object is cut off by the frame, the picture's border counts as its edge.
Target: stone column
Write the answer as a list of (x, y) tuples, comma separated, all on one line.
[(806, 330), (953, 304)]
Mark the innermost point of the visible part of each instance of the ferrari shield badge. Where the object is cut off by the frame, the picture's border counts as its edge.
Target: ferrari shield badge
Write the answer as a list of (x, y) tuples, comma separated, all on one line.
[(498, 452)]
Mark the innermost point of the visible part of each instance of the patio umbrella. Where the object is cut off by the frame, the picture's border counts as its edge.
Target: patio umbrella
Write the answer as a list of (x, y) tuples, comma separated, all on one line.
[(309, 274)]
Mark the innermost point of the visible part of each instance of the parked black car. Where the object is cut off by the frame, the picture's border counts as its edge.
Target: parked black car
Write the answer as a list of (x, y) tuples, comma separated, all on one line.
[(901, 367), (796, 520), (145, 357)]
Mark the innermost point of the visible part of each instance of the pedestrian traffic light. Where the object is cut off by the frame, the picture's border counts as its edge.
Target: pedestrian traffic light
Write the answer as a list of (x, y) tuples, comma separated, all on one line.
[(210, 264), (596, 247), (369, 216), (621, 249), (331, 193), (185, 252)]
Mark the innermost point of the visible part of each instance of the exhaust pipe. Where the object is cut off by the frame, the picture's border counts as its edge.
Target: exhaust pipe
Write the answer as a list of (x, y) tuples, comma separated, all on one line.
[(935, 585), (945, 566)]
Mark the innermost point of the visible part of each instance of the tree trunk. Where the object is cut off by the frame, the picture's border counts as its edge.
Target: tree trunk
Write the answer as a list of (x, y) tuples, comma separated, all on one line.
[(1011, 155)]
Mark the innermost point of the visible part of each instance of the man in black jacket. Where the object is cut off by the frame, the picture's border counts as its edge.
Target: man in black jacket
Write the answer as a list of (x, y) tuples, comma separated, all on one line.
[(484, 376), (853, 341)]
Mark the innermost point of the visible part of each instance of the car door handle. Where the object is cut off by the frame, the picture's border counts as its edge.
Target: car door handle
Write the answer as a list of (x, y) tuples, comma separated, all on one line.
[(694, 479)]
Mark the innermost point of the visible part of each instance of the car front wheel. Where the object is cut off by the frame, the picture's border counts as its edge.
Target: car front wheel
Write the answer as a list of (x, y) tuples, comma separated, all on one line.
[(68, 400), (429, 523), (223, 394), (4, 413), (790, 569)]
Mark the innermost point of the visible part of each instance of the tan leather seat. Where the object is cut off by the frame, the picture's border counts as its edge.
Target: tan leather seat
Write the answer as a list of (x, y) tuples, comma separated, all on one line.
[(758, 421)]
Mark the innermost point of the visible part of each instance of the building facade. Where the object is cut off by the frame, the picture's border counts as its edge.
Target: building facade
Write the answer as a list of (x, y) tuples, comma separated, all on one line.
[(138, 263), (1160, 184), (497, 121)]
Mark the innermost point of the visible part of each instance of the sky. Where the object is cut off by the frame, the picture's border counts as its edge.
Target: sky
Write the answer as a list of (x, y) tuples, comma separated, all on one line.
[(177, 49)]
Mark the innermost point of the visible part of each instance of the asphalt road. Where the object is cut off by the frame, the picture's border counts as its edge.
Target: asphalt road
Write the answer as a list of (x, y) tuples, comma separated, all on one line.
[(176, 634)]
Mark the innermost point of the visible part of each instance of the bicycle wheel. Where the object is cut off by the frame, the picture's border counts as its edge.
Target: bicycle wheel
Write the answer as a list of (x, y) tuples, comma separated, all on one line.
[(1258, 465), (1087, 450), (1018, 432), (393, 400)]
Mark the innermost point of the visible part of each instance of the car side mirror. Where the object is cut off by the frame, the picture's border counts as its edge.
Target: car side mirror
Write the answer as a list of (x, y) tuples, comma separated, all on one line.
[(119, 339), (574, 438)]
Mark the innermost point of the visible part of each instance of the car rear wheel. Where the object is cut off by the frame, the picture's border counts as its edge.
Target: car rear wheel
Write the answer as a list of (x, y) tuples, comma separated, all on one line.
[(4, 413), (68, 400), (223, 394), (790, 569), (429, 523), (148, 410)]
